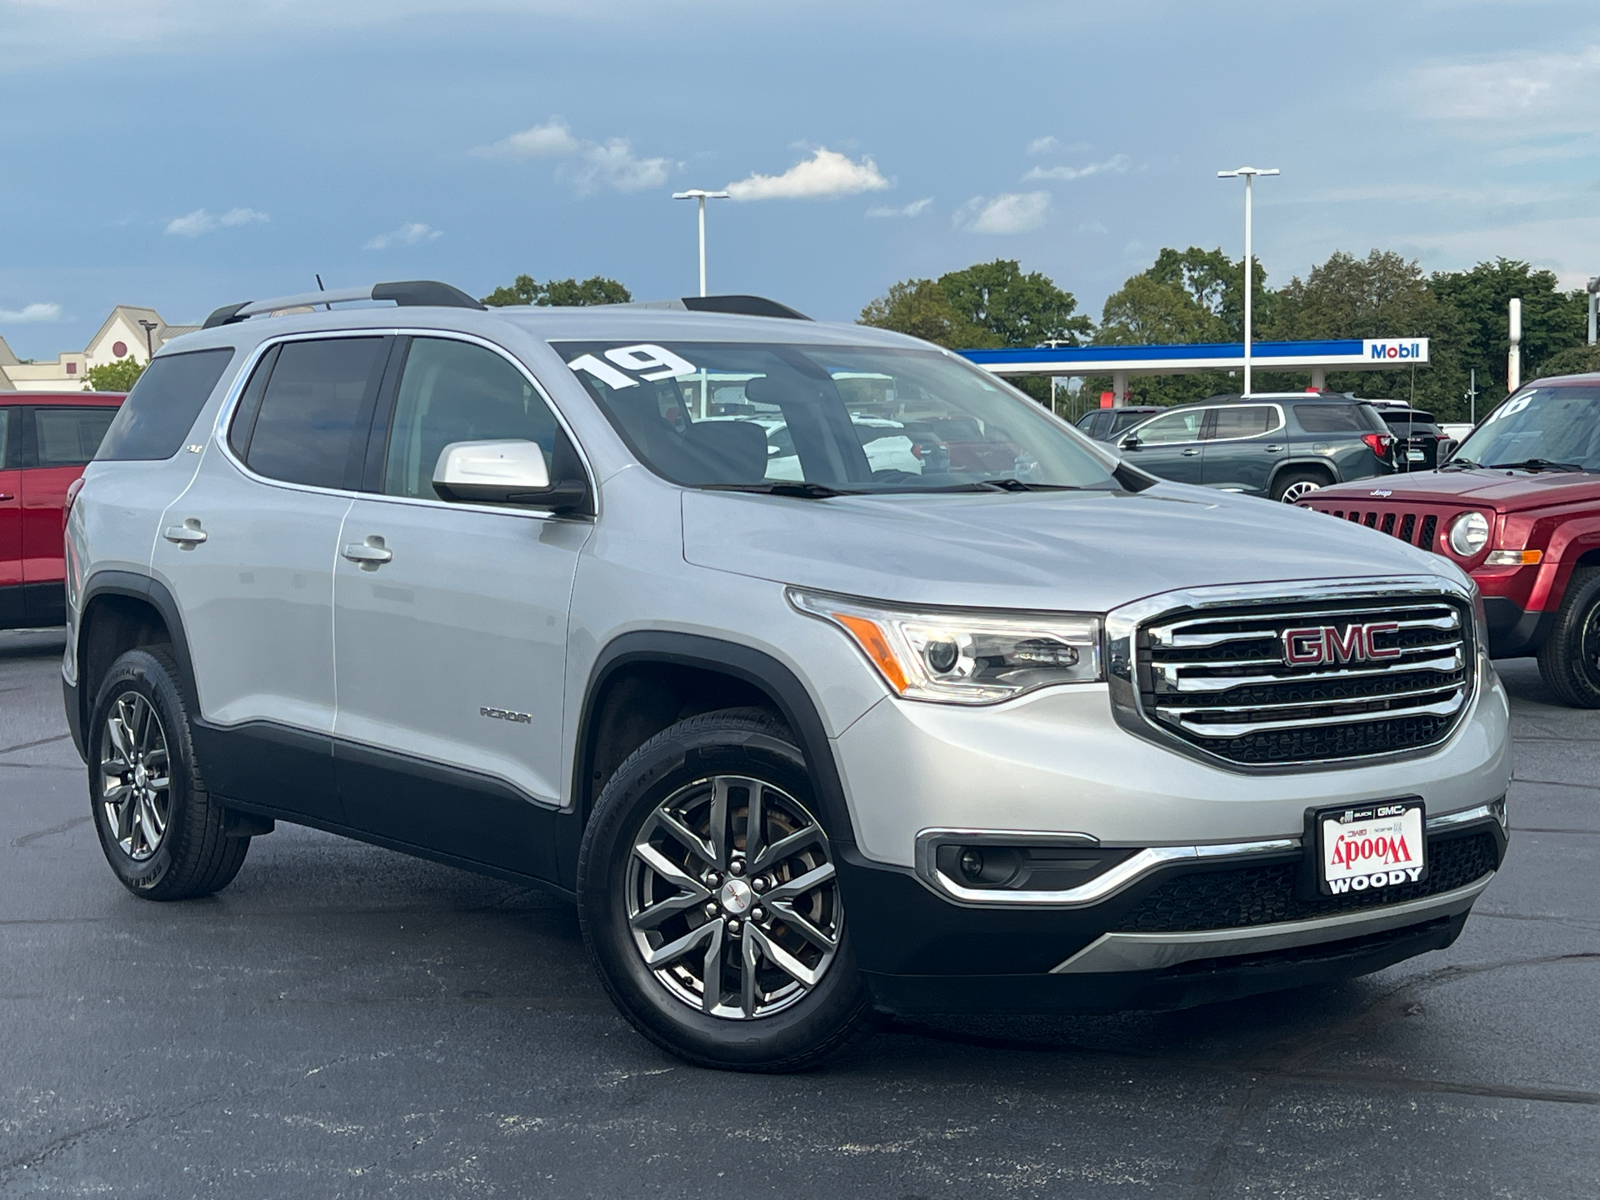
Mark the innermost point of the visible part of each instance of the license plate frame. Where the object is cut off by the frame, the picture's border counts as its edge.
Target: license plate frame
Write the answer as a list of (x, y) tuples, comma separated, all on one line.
[(1333, 868)]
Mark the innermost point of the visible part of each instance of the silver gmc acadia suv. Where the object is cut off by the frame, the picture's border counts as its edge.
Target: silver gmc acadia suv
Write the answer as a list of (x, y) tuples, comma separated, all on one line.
[(826, 672)]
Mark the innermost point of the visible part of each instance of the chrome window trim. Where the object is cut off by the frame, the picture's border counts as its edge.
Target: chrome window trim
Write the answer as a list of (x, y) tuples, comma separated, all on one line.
[(1122, 625), (219, 429), (1124, 874), (1278, 428)]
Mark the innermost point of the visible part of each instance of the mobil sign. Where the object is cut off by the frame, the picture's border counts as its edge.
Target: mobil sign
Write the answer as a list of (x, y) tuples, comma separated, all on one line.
[(1398, 351)]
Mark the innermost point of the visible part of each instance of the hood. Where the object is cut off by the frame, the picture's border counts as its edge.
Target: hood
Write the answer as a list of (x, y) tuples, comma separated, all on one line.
[(1075, 550), (1505, 491)]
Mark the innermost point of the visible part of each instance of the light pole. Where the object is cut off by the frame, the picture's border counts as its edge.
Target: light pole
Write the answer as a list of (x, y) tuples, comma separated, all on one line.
[(149, 328), (702, 196), (1249, 174)]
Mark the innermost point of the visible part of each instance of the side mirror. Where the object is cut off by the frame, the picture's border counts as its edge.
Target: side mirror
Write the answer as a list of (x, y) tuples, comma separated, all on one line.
[(508, 472), (1131, 442)]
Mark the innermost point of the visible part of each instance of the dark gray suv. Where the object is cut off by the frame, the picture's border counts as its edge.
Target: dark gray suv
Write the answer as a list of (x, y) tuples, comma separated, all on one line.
[(1280, 445)]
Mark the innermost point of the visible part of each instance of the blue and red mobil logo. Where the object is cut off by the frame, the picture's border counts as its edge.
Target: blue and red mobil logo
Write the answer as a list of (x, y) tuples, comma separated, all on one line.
[(1396, 350)]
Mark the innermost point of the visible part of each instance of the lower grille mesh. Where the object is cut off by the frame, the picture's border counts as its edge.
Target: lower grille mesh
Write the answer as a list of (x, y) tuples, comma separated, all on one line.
[(1266, 895)]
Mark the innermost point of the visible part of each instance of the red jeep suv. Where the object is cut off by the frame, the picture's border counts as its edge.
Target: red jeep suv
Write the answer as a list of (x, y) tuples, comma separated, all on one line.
[(46, 439), (1518, 508)]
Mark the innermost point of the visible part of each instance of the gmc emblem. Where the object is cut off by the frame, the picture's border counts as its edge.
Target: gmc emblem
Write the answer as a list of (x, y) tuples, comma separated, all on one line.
[(1317, 644)]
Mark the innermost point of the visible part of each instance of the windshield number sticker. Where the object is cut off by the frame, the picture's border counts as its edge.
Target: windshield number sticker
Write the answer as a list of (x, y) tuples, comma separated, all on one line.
[(1510, 408), (647, 360)]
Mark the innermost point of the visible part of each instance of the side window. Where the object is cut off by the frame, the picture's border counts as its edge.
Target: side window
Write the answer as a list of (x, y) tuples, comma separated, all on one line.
[(457, 392), (1334, 418), (8, 449), (155, 419), (1243, 421), (1173, 427), (314, 401), (69, 437)]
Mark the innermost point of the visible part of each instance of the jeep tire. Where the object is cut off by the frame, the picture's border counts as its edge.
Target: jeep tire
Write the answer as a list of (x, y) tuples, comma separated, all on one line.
[(1569, 660), (722, 946), (160, 831)]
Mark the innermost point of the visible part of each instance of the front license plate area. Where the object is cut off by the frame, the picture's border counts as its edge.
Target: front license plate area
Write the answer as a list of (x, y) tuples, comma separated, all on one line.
[(1373, 847)]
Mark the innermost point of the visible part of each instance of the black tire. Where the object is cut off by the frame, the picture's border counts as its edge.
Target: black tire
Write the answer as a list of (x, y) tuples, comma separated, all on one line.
[(192, 855), (748, 743), (1290, 486), (1569, 660)]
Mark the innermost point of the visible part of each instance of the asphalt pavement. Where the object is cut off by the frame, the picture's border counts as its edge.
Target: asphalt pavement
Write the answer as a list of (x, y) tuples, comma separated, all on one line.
[(346, 1021)]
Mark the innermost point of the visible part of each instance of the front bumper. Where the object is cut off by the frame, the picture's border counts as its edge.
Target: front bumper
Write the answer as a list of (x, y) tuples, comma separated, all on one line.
[(1514, 632), (1189, 932)]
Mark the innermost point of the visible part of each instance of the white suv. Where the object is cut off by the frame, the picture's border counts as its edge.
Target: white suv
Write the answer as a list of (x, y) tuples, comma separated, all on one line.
[(995, 722)]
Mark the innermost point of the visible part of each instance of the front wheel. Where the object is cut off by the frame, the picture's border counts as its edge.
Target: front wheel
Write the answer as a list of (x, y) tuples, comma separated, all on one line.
[(709, 898), (1569, 660)]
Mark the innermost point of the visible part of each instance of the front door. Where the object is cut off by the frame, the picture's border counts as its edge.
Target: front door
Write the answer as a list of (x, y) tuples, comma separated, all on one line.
[(248, 554), (450, 626), (1244, 446), (1168, 445), (13, 610)]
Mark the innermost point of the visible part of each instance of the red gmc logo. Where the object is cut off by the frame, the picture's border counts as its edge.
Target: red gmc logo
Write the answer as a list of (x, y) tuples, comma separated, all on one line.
[(1318, 644)]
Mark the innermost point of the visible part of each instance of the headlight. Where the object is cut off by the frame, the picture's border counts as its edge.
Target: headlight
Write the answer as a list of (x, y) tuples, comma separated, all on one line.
[(962, 657), (1469, 533)]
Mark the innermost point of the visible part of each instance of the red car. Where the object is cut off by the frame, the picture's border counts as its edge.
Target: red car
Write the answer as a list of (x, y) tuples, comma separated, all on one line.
[(1518, 508), (46, 439)]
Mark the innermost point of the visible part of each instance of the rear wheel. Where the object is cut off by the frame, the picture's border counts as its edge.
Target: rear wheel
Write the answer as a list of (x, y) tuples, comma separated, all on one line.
[(709, 898), (1293, 486), (1569, 660), (159, 830)]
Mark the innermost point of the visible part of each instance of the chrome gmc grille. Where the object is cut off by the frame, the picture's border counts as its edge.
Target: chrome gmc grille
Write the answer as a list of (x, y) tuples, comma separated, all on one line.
[(1320, 680)]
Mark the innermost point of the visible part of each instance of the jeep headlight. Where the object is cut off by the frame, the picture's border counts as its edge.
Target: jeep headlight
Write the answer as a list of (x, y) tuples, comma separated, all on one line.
[(1469, 533), (958, 656)]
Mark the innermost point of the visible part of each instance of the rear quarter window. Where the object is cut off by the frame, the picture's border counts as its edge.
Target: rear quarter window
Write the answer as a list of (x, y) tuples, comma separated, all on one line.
[(1336, 418), (155, 419)]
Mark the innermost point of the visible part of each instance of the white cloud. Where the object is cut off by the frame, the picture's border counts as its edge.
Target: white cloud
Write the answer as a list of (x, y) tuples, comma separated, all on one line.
[(412, 233), (1099, 230), (1560, 84), (30, 314), (825, 173), (592, 163), (915, 208), (553, 139), (1117, 163), (200, 221), (1045, 145), (1013, 212)]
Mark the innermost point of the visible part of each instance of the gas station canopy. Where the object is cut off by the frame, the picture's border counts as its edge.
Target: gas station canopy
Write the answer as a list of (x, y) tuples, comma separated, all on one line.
[(1121, 362)]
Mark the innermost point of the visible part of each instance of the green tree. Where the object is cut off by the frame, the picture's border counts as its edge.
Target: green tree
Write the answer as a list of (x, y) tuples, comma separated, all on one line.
[(1574, 360), (119, 376), (1552, 320), (559, 293), (1382, 295), (920, 308), (1017, 309)]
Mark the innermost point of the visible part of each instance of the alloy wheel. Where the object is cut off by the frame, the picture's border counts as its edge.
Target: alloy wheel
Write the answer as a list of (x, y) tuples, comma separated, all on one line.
[(1299, 490), (732, 897), (135, 783)]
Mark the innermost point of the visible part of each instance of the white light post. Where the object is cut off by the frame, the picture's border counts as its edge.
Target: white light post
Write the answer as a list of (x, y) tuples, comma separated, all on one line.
[(702, 196), (1249, 174)]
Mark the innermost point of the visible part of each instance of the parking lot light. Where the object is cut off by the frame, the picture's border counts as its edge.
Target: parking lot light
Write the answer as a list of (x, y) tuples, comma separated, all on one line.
[(1249, 174), (702, 197)]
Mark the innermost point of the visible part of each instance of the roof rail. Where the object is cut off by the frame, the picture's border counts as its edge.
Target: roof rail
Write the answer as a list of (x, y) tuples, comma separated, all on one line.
[(746, 306), (409, 293)]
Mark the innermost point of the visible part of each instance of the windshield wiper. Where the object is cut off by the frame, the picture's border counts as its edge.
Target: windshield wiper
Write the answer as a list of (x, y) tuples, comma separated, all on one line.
[(1018, 485), (1537, 464), (1460, 464), (783, 487)]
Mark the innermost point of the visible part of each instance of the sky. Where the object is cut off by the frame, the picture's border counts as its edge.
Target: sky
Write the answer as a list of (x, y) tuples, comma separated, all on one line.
[(185, 154)]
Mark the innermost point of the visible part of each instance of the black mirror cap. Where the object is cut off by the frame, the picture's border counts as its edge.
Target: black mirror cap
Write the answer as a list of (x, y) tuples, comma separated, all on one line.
[(1131, 442)]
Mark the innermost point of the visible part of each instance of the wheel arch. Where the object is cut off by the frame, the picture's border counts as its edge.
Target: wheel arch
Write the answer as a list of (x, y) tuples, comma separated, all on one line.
[(630, 697), (122, 610), (1302, 465)]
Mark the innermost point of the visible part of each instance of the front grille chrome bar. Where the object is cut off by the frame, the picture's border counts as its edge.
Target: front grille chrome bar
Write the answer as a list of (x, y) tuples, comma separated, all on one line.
[(1167, 679)]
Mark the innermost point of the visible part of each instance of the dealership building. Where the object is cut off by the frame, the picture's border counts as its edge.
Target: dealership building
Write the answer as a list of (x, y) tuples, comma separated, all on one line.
[(129, 332)]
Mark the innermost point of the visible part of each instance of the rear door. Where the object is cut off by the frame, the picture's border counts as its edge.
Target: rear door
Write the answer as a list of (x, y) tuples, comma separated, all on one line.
[(63, 441), (1168, 445), (13, 609), (1244, 445)]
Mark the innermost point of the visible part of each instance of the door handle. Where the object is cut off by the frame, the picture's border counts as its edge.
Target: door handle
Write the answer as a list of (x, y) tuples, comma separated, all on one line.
[(370, 554), (188, 535), (1190, 453), (6, 496), (1274, 449)]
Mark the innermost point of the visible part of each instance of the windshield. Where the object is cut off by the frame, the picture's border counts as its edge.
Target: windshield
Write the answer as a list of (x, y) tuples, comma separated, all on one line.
[(836, 418), (1539, 425)]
